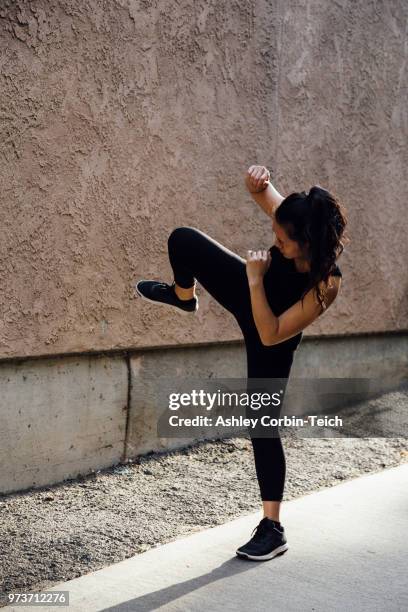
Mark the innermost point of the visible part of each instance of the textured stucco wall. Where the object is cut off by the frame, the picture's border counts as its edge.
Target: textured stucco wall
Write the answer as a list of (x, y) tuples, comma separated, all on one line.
[(121, 120)]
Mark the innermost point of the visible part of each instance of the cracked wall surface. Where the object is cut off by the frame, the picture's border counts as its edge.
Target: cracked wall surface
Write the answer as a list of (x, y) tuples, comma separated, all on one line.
[(123, 119)]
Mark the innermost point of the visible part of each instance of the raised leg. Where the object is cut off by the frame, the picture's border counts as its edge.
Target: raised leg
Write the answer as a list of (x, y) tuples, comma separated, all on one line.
[(195, 255)]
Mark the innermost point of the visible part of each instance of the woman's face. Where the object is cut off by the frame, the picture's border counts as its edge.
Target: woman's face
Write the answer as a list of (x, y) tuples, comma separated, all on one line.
[(289, 248)]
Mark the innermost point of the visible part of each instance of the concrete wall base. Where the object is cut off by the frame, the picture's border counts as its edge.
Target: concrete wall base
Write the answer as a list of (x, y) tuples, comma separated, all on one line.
[(68, 416)]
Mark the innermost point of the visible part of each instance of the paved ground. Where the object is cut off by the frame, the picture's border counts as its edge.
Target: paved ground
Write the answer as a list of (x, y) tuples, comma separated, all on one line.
[(347, 550), (61, 532)]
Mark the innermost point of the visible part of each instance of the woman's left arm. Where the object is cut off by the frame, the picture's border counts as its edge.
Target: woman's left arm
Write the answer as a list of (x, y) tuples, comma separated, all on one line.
[(272, 329)]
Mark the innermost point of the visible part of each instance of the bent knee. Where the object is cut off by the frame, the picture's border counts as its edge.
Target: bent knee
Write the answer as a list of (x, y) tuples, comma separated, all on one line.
[(181, 233)]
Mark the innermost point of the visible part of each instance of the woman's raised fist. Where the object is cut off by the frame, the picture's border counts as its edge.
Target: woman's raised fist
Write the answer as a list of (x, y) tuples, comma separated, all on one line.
[(257, 178)]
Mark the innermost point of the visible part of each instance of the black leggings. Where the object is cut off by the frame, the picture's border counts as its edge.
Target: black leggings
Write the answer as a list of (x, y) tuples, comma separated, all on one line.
[(195, 255)]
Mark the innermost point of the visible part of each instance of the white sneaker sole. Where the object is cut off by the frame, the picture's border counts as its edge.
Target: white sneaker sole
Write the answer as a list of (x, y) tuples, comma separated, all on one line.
[(278, 551), (184, 312)]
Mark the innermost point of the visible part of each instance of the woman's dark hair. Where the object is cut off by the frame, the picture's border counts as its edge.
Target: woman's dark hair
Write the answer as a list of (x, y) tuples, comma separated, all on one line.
[(319, 219)]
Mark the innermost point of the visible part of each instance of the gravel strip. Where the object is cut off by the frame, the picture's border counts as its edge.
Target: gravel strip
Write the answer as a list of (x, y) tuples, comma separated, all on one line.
[(60, 532)]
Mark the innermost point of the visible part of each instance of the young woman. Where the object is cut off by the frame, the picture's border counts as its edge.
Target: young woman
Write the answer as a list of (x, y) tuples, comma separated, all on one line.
[(273, 295)]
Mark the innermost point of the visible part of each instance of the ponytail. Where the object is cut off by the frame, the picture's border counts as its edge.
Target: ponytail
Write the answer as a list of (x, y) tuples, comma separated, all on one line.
[(319, 220)]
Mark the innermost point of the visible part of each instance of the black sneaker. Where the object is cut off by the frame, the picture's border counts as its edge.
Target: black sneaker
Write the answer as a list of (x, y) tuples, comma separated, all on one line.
[(162, 293), (268, 542)]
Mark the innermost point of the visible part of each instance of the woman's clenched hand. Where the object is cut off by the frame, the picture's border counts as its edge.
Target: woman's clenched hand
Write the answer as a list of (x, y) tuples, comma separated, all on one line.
[(257, 264), (257, 178)]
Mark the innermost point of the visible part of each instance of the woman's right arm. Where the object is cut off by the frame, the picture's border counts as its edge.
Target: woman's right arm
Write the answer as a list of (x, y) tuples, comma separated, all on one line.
[(257, 181)]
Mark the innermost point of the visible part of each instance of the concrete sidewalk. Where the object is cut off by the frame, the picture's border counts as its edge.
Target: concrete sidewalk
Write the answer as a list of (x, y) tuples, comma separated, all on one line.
[(347, 550)]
